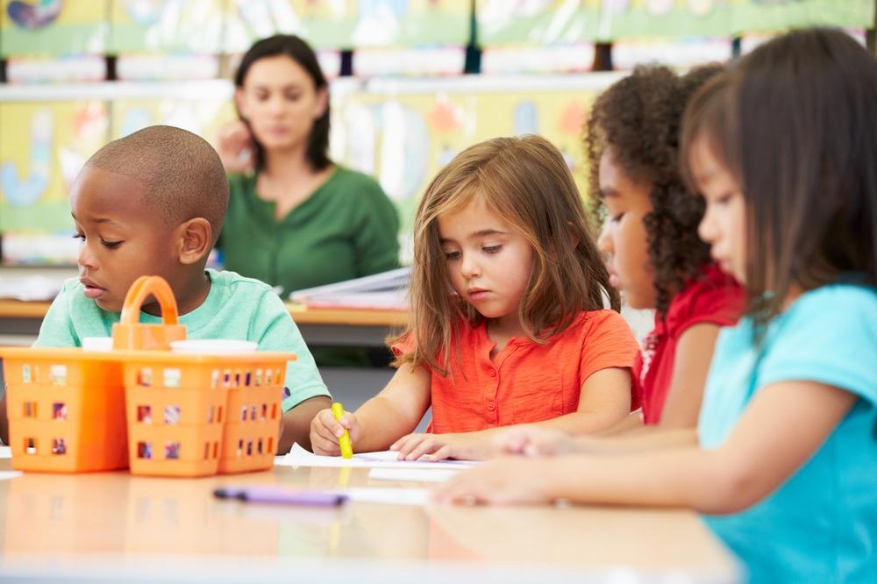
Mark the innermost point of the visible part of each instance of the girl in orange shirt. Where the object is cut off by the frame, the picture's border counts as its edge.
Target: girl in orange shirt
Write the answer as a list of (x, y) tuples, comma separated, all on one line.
[(522, 338)]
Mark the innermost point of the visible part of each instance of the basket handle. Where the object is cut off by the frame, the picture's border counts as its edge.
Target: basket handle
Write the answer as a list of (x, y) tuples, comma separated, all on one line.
[(140, 290)]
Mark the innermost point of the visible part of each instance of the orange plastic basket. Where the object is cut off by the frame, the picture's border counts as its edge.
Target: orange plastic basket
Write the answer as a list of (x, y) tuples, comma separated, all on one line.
[(166, 413), (66, 410), (179, 421)]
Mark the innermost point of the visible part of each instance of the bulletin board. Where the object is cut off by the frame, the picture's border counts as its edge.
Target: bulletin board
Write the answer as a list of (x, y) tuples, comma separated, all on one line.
[(38, 168), (404, 140), (199, 116), (53, 27), (345, 24), (166, 26), (544, 22)]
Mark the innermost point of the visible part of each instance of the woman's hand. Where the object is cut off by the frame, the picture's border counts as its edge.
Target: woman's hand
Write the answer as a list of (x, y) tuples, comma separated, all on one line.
[(235, 147)]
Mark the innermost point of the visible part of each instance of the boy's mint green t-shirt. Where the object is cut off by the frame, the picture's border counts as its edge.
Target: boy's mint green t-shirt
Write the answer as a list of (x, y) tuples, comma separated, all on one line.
[(236, 308), (821, 524)]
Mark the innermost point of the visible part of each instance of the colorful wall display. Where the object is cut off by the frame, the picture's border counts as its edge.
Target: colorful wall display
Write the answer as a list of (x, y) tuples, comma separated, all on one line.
[(200, 116), (53, 140), (53, 27), (166, 26), (405, 139), (541, 22), (344, 24)]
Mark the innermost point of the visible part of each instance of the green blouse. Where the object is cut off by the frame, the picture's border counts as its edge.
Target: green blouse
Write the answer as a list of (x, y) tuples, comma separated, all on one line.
[(346, 229)]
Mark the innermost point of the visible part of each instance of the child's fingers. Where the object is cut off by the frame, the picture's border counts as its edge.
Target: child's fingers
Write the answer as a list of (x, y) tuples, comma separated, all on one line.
[(325, 426), (427, 445), (442, 453), (324, 447), (460, 489)]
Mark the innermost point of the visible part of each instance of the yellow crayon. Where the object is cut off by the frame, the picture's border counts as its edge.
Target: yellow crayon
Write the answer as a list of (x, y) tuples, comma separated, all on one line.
[(344, 440)]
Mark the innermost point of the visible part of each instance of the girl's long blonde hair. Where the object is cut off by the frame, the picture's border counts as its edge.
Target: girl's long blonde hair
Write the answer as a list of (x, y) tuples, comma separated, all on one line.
[(525, 181)]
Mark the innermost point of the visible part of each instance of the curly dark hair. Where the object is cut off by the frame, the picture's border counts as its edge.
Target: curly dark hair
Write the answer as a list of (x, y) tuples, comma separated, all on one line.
[(639, 118)]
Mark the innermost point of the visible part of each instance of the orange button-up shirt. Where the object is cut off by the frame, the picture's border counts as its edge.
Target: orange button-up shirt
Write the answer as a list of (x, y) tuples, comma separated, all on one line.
[(525, 382)]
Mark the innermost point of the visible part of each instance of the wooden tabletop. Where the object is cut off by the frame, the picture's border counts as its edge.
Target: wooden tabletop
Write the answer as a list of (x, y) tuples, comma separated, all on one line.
[(300, 314), (89, 525)]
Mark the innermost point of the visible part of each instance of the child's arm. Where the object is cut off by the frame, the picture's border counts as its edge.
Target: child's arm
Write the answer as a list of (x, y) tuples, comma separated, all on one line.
[(295, 425), (605, 399), (691, 363), (532, 440), (779, 431), (4, 420), (394, 412)]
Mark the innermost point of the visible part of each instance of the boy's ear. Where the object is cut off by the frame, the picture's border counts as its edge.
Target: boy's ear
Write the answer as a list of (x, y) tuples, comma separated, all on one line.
[(195, 240)]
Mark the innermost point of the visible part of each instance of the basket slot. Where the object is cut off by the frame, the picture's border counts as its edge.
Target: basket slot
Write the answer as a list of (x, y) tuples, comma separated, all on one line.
[(59, 411), (59, 446), (30, 409)]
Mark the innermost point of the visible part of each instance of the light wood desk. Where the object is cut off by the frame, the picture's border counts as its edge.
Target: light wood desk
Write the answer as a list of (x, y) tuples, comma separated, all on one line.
[(113, 526), (20, 323)]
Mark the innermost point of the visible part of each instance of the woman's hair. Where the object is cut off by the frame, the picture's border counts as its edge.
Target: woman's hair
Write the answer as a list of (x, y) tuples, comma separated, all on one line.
[(525, 181), (299, 51), (638, 120), (794, 123)]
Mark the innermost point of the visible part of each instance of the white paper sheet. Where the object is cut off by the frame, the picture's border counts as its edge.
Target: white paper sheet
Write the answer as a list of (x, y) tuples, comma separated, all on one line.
[(5, 475), (298, 456), (389, 496), (412, 474), (5, 452)]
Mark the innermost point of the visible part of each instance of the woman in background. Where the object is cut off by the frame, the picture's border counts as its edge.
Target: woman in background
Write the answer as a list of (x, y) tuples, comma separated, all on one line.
[(296, 219)]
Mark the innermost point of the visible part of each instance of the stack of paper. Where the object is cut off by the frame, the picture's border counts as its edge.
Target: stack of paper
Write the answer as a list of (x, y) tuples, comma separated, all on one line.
[(384, 291)]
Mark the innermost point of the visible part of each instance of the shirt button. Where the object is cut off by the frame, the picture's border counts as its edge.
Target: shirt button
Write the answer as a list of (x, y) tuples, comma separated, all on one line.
[(491, 406), (492, 372)]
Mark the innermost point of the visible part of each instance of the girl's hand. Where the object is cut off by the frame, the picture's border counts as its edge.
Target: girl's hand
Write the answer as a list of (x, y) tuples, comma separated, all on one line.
[(325, 431), (504, 481), (533, 441), (235, 147), (467, 446)]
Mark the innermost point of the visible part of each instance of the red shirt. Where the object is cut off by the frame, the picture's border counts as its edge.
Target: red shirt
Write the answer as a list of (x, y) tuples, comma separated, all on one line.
[(525, 382), (716, 298)]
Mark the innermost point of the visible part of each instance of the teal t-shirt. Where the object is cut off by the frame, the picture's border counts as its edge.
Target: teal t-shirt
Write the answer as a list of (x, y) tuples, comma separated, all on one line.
[(821, 524), (236, 308)]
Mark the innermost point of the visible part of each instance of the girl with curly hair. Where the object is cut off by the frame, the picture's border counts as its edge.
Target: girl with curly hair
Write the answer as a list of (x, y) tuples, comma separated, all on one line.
[(650, 237), (654, 257)]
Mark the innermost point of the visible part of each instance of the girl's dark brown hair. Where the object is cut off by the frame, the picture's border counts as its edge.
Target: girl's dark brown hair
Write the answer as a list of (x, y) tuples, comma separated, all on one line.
[(525, 181), (795, 124), (299, 51), (638, 120)]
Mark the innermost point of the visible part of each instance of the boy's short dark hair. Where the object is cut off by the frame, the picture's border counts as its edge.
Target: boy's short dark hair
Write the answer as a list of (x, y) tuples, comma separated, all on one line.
[(181, 173)]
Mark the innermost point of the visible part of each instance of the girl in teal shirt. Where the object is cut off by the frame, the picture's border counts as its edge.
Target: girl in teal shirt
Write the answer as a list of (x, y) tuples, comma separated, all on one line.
[(784, 462)]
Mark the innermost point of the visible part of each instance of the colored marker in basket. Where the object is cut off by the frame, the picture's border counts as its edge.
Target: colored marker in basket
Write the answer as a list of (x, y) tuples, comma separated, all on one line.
[(344, 439)]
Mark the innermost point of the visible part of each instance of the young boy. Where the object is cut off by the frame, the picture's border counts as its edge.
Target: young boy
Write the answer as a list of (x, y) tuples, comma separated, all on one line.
[(153, 203)]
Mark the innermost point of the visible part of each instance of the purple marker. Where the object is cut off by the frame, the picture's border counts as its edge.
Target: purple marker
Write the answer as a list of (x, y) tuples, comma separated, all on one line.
[(284, 496)]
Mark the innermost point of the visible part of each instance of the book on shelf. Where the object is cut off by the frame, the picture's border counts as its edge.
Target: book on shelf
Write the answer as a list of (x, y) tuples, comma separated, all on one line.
[(384, 291)]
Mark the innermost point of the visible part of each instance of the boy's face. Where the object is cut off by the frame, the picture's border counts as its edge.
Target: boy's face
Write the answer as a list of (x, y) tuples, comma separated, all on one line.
[(122, 238)]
